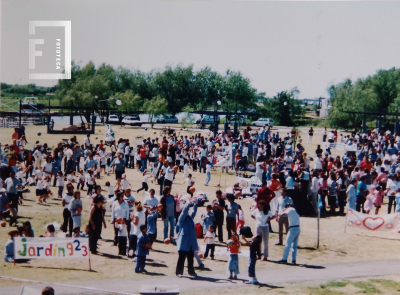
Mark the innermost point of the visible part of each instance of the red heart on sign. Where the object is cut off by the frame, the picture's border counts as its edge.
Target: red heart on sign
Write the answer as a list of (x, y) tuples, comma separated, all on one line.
[(373, 223)]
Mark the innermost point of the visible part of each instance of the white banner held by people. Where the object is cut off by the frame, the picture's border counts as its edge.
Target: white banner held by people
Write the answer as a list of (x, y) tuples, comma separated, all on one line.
[(51, 248), (339, 146), (253, 184), (360, 221), (223, 156)]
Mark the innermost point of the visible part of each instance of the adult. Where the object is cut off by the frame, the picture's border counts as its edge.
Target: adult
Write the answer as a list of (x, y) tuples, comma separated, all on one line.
[(67, 198), (119, 168), (310, 135), (262, 214), (232, 213), (12, 184), (96, 219), (292, 238), (218, 208), (119, 208), (282, 219), (186, 240), (265, 194), (87, 141), (361, 193), (168, 212)]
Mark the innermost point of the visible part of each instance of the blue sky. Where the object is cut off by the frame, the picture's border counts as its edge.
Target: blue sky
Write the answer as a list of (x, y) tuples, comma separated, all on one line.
[(278, 45)]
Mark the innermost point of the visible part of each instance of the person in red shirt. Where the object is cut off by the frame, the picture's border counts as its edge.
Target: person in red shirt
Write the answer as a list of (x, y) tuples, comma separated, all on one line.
[(366, 164), (265, 193), (143, 158)]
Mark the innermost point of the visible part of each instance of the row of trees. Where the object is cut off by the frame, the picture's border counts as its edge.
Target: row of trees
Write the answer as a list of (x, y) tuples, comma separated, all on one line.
[(171, 90), (380, 92)]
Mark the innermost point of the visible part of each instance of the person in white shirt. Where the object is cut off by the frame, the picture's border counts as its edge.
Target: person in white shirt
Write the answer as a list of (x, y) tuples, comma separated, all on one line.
[(145, 186), (208, 174), (262, 214), (119, 208), (331, 137), (150, 202), (87, 141), (260, 169), (169, 175), (67, 198), (137, 220), (292, 238), (209, 239), (189, 183), (38, 157), (282, 220), (89, 182), (124, 182), (60, 183), (121, 229), (318, 163), (288, 161)]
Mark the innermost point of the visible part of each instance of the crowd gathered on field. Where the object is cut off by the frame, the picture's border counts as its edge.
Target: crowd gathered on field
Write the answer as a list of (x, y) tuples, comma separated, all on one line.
[(302, 183)]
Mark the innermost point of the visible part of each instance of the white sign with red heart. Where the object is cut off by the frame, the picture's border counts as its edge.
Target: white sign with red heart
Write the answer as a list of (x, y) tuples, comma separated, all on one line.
[(386, 222)]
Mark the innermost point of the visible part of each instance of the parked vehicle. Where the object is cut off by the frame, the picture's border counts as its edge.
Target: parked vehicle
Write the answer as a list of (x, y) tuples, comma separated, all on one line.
[(209, 119), (132, 120), (240, 121), (113, 119), (263, 122), (167, 119)]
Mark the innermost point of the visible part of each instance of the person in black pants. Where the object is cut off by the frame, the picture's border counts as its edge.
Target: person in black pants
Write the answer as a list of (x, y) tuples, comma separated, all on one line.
[(96, 218), (68, 197), (218, 208)]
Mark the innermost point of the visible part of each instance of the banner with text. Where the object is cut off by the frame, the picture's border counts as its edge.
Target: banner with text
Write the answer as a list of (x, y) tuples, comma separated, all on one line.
[(223, 156), (51, 248), (339, 146), (386, 222)]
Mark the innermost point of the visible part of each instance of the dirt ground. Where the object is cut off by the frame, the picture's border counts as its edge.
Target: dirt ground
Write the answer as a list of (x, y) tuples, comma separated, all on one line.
[(335, 245)]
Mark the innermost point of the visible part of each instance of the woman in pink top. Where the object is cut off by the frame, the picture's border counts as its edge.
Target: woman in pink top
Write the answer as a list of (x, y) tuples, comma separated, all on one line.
[(378, 198)]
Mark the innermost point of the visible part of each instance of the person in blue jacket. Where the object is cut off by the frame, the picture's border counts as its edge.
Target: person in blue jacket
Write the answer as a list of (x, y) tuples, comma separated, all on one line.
[(143, 246), (186, 241)]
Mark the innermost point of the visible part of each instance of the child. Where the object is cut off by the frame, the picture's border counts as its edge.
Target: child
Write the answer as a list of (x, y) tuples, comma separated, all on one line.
[(181, 163), (39, 191), (233, 264), (9, 250), (38, 174), (208, 219), (143, 246), (60, 183), (209, 239), (70, 177), (239, 219), (110, 189), (255, 245), (108, 166), (189, 183), (90, 182), (50, 231), (81, 180), (144, 182), (208, 173), (122, 235), (186, 169), (124, 182)]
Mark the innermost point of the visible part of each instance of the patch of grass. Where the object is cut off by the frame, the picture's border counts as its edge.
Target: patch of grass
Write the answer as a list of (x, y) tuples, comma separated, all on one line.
[(390, 284), (366, 288), (323, 291), (335, 284)]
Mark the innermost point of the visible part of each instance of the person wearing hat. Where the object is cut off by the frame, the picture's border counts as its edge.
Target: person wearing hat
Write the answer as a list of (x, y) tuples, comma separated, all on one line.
[(96, 219)]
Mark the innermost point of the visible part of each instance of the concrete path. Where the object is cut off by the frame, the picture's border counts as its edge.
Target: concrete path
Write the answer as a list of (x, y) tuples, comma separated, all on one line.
[(275, 277)]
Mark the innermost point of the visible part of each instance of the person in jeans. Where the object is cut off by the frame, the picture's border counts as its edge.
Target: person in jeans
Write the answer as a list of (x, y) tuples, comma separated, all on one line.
[(203, 158), (168, 211), (218, 208), (292, 238), (232, 210)]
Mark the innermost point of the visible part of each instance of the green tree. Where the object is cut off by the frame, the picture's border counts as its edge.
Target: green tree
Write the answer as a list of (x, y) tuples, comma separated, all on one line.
[(155, 107)]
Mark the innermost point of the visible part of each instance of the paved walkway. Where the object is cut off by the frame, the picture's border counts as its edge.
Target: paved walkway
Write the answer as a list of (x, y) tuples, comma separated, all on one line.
[(275, 277)]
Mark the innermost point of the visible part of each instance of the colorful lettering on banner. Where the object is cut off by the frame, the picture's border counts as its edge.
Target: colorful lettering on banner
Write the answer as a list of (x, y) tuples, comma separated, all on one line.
[(253, 183), (223, 156), (387, 222), (51, 248)]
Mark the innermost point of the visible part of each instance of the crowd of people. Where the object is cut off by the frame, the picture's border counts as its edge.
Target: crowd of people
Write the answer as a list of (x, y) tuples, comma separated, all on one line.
[(358, 180)]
